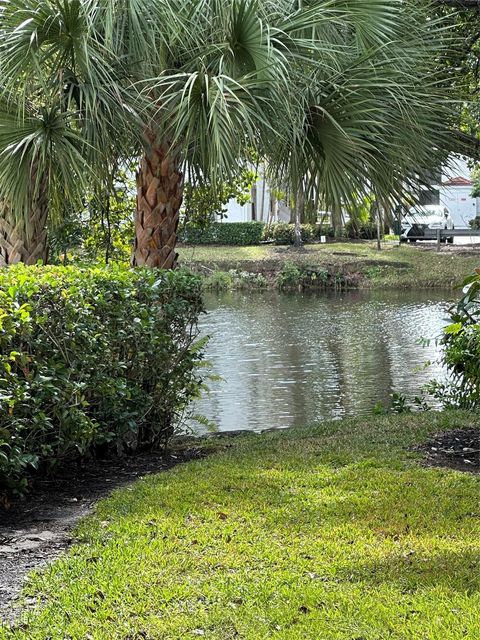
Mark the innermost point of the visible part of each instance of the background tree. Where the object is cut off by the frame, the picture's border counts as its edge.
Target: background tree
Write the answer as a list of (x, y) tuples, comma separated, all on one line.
[(380, 119), (460, 66), (330, 93)]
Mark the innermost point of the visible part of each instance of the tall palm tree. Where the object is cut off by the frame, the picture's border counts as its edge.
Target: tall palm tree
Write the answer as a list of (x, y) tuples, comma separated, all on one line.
[(329, 92)]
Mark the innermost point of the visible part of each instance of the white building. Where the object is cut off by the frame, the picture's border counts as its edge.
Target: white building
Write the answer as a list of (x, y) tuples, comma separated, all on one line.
[(261, 207), (456, 194), (453, 190)]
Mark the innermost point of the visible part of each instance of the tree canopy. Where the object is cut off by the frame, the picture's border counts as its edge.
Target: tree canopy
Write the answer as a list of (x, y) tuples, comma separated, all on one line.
[(335, 95)]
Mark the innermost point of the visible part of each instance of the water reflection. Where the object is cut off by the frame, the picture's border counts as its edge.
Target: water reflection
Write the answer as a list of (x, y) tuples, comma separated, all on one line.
[(296, 359)]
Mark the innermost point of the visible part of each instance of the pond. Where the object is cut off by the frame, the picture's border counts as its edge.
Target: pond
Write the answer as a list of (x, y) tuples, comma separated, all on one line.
[(296, 359)]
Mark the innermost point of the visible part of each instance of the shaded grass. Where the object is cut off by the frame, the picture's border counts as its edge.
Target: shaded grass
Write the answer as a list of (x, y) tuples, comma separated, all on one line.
[(331, 532), (395, 266)]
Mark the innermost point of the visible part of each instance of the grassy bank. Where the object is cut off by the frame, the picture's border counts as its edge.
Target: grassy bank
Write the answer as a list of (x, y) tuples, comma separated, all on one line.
[(341, 265), (333, 532)]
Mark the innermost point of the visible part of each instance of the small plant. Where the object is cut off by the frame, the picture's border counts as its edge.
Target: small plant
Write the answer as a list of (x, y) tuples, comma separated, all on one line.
[(248, 280), (401, 404), (373, 272), (475, 223), (361, 230), (290, 276), (218, 281)]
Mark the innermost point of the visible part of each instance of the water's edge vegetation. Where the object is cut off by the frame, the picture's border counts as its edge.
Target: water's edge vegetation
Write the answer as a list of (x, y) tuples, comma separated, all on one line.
[(335, 266)]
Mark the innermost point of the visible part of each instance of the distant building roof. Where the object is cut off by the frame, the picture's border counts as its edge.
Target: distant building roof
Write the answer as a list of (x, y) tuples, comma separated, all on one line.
[(458, 182)]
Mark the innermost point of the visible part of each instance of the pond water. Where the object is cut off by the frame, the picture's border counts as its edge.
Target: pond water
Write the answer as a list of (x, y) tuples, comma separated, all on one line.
[(289, 360)]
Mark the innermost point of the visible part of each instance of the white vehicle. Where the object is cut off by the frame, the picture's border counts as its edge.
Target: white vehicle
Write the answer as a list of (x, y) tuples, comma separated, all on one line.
[(420, 218)]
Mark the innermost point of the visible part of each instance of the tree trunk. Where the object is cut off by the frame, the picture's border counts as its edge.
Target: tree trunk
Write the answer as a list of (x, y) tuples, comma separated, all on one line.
[(379, 229), (299, 206), (273, 213), (253, 197), (159, 198), (262, 204), (337, 220), (21, 242)]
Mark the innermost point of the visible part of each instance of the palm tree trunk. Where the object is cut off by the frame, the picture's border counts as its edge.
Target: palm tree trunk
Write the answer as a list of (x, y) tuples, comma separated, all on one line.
[(299, 207), (22, 241), (337, 220), (159, 198)]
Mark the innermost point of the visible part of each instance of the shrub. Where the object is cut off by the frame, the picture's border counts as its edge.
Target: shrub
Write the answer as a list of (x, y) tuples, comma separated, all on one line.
[(92, 360), (462, 349), (284, 233), (226, 233), (218, 281), (361, 230), (291, 276), (475, 223), (234, 279)]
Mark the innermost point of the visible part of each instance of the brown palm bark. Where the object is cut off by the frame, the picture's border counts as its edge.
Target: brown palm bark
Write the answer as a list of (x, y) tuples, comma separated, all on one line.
[(25, 240), (159, 198)]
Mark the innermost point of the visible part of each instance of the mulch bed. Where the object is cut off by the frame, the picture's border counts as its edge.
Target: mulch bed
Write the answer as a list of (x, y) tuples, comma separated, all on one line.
[(458, 449)]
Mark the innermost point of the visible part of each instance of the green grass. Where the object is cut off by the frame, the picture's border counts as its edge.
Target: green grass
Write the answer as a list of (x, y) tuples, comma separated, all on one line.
[(394, 267), (333, 532)]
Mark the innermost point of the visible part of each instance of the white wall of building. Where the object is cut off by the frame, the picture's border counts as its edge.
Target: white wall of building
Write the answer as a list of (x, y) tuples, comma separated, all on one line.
[(460, 203), (237, 212), (457, 197)]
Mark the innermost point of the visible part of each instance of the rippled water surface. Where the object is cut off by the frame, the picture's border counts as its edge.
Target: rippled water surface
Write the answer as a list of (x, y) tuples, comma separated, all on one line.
[(296, 359)]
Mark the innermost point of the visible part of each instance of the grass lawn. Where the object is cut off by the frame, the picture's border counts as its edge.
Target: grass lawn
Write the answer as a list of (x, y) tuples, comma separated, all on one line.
[(332, 532), (395, 266)]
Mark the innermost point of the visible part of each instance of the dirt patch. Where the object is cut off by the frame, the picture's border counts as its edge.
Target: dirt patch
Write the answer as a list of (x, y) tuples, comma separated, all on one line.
[(458, 449), (36, 530)]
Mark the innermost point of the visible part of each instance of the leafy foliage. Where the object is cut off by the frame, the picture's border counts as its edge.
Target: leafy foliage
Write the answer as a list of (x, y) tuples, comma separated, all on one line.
[(92, 359), (361, 230), (204, 203), (361, 223), (226, 233), (102, 230), (284, 233), (460, 67), (462, 348), (475, 223), (335, 96)]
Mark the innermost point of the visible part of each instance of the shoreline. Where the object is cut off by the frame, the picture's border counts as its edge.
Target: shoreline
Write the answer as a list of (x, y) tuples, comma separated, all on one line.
[(335, 266)]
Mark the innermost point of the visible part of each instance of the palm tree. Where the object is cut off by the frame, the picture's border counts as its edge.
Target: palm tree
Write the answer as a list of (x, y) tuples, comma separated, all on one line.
[(40, 163), (65, 111), (379, 119), (329, 92)]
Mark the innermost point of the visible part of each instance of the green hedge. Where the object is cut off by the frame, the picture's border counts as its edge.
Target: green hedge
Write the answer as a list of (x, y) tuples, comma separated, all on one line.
[(92, 360), (284, 233), (226, 233), (361, 230)]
